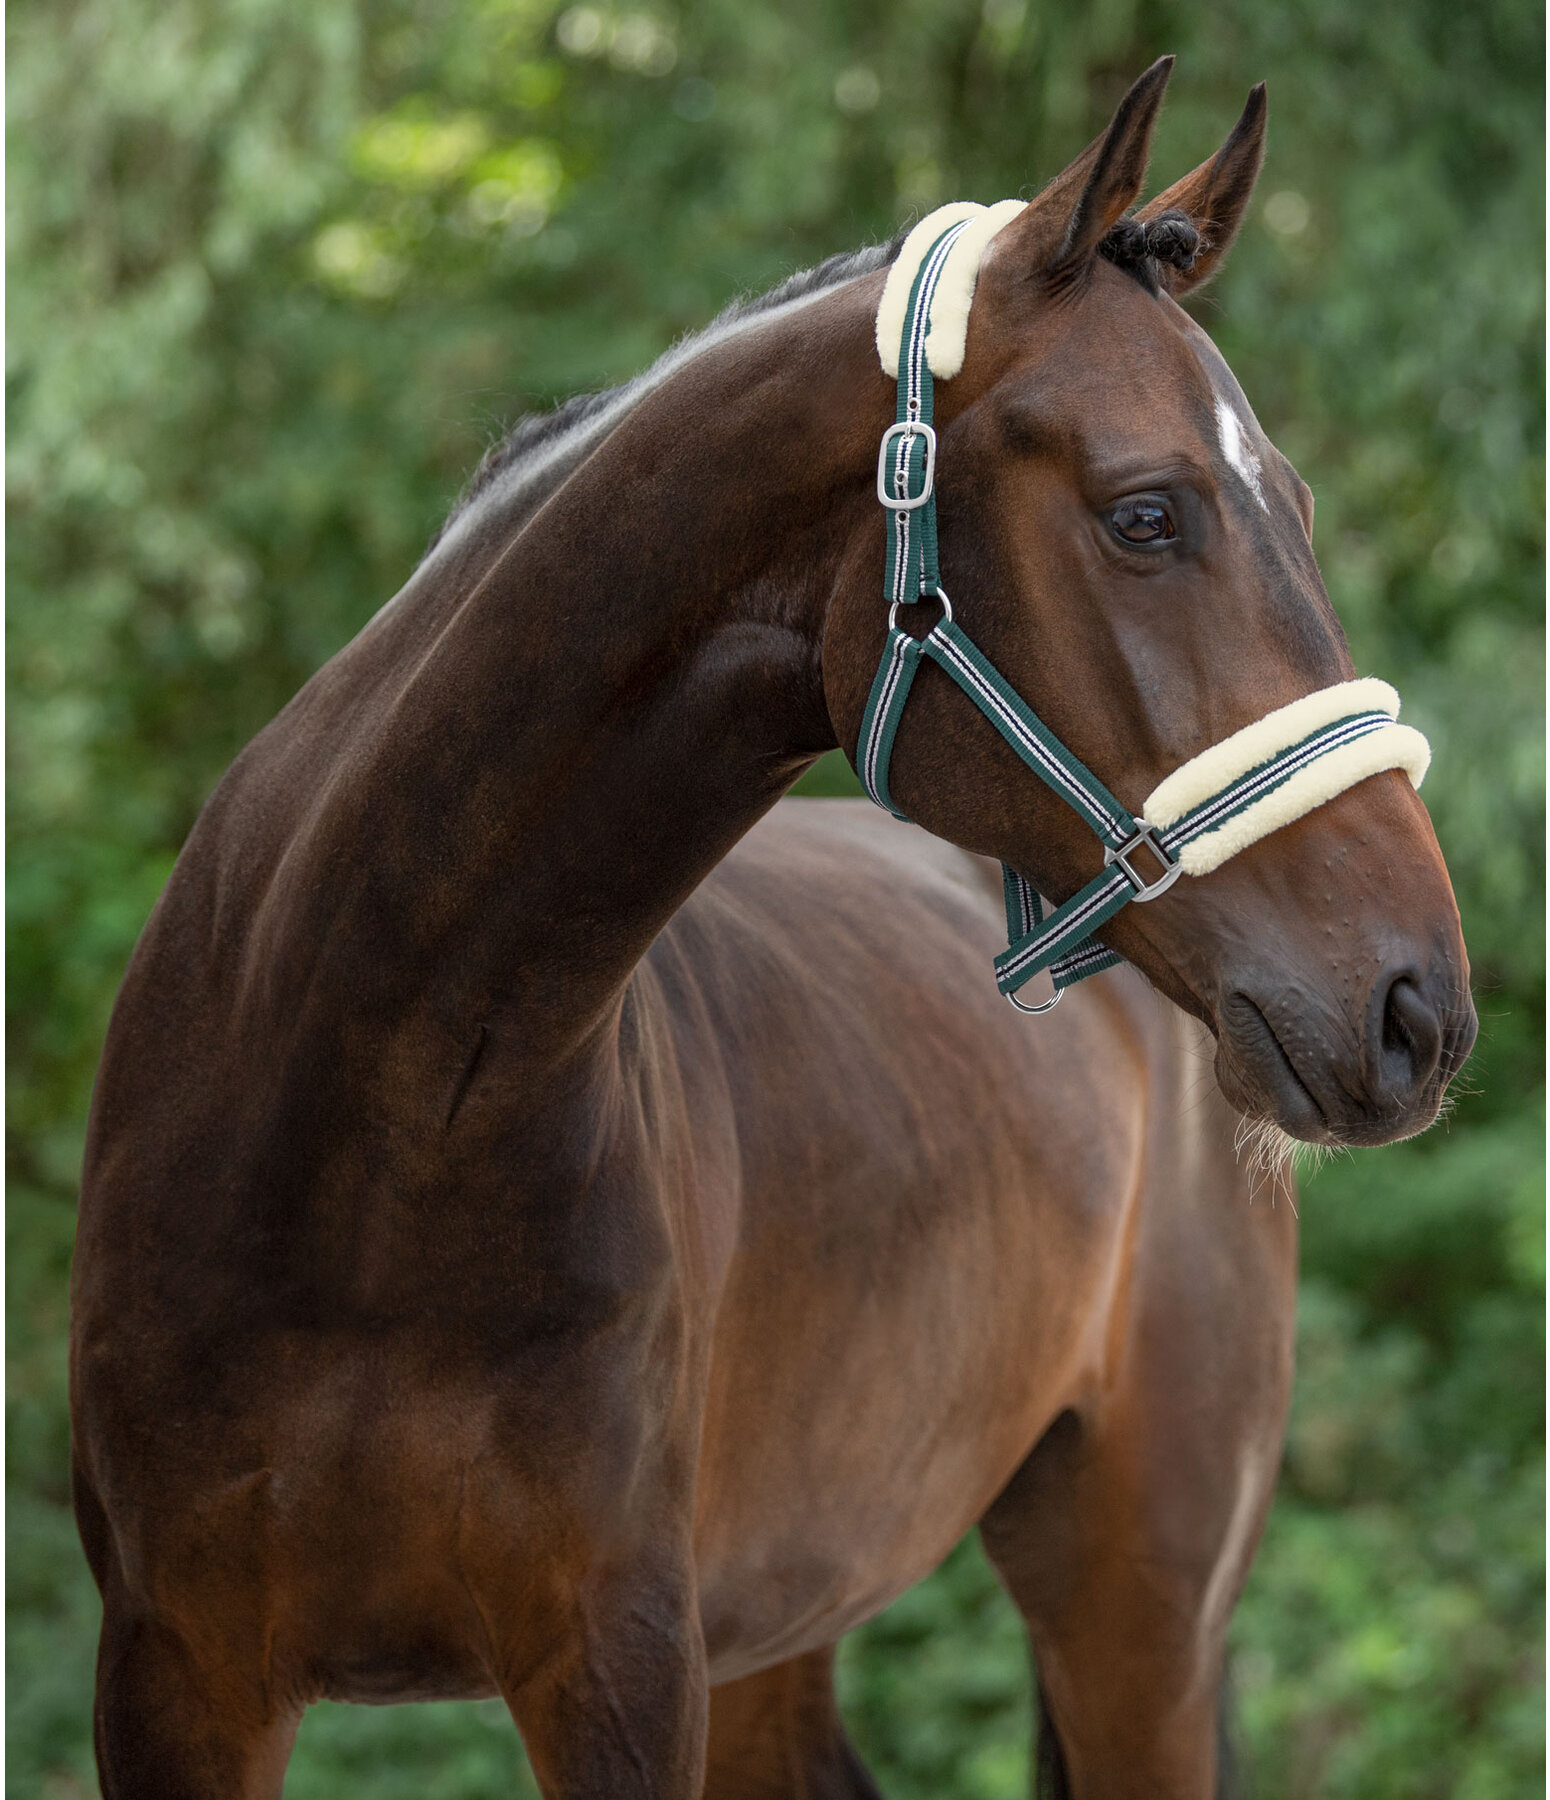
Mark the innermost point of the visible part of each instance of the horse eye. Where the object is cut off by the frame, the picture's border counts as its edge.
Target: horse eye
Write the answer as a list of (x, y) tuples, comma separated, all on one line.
[(1145, 521)]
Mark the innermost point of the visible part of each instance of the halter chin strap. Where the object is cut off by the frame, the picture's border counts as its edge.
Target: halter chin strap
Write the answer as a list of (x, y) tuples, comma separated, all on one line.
[(1216, 804)]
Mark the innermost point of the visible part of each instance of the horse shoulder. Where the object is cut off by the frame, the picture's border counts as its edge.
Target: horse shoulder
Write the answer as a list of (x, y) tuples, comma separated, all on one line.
[(929, 1218)]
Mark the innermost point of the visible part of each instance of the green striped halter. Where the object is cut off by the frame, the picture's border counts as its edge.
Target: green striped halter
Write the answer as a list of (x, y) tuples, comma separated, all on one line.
[(1216, 804)]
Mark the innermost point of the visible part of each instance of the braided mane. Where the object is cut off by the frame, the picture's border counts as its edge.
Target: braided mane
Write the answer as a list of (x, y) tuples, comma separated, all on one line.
[(1138, 246)]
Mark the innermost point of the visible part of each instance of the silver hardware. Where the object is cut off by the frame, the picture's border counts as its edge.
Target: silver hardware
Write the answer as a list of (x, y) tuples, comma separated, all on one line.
[(906, 428), (1043, 1006), (1147, 835), (940, 594)]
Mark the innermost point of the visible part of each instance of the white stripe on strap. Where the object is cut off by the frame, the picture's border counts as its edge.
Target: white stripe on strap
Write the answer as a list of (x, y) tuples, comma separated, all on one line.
[(993, 706), (1253, 786), (1062, 923), (881, 717)]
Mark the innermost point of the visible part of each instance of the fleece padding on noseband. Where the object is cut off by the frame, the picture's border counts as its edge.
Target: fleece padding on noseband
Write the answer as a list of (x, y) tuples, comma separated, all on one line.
[(1194, 782), (954, 290)]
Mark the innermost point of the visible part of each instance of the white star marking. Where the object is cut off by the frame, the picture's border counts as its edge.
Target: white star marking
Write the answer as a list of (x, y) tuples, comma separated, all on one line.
[(1235, 447)]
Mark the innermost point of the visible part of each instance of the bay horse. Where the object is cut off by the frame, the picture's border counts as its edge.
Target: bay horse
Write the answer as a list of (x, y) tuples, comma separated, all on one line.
[(558, 1225)]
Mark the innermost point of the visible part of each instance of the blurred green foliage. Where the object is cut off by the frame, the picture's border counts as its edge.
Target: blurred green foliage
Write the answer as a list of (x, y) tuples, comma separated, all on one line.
[(277, 274)]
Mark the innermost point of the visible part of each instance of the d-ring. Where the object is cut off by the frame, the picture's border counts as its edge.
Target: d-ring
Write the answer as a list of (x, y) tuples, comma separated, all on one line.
[(940, 594), (1043, 1006)]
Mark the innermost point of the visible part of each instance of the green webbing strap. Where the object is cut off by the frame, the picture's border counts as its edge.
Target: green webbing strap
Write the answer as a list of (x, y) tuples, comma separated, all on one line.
[(1068, 927), (906, 465), (884, 708), (1063, 941), (1263, 779), (1024, 916), (906, 484), (1024, 908), (1059, 942), (956, 653), (1055, 943)]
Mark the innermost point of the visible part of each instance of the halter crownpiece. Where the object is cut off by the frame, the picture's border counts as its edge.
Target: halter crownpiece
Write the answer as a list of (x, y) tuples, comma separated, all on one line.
[(954, 291), (1211, 807)]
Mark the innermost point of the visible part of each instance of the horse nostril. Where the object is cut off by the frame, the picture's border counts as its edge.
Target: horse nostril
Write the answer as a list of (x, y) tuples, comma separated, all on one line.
[(1409, 1041)]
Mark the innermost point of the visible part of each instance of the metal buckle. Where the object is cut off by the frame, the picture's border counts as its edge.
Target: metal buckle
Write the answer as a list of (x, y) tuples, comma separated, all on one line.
[(1145, 834), (906, 428)]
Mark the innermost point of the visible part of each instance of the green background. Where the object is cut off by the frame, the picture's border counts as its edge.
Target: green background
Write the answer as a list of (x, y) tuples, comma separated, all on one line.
[(278, 271)]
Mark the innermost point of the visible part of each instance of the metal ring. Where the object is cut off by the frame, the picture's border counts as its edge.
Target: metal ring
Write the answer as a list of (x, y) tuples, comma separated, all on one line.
[(940, 594), (1042, 1007)]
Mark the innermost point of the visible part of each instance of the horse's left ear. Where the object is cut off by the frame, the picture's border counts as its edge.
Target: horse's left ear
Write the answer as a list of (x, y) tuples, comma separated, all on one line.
[(1215, 196)]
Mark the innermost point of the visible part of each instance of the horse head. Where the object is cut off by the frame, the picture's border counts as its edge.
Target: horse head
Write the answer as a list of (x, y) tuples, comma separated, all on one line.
[(1136, 557)]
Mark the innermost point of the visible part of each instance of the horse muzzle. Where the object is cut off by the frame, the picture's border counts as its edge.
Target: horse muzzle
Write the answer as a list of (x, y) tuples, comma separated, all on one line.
[(1329, 1073)]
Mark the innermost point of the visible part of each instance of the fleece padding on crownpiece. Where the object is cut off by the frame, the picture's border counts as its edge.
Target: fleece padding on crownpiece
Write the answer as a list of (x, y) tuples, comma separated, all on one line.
[(949, 330)]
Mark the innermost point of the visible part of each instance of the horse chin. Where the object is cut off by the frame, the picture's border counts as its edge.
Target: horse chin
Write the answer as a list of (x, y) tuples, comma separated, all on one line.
[(1273, 1154)]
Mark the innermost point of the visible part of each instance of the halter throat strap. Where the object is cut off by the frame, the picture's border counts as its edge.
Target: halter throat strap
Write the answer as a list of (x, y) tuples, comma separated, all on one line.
[(1211, 807)]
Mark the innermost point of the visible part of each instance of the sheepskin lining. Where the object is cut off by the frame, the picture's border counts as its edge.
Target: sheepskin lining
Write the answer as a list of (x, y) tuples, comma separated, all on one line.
[(1394, 747), (1216, 768), (949, 330)]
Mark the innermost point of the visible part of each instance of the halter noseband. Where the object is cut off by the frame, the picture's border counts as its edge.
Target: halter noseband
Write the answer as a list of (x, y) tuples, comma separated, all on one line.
[(1211, 807)]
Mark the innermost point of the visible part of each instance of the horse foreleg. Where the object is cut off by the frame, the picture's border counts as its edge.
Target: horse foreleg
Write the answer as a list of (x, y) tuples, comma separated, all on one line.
[(1127, 1533), (615, 1709), (174, 1724), (777, 1735), (1126, 1588)]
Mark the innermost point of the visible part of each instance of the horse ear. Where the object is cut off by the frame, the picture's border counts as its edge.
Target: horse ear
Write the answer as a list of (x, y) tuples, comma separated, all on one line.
[(1059, 233), (1215, 196)]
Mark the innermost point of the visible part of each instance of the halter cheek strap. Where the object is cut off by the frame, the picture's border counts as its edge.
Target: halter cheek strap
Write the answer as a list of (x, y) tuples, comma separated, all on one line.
[(1216, 804)]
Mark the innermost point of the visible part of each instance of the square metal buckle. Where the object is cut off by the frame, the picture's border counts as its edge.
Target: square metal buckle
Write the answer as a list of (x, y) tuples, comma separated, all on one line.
[(906, 428), (1122, 853)]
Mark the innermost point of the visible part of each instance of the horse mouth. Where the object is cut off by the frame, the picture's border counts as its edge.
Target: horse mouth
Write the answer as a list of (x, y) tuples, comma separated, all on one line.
[(1323, 1084), (1260, 1078)]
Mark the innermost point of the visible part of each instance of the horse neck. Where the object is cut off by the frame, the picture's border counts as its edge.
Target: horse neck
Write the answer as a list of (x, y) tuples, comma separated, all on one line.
[(635, 676)]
